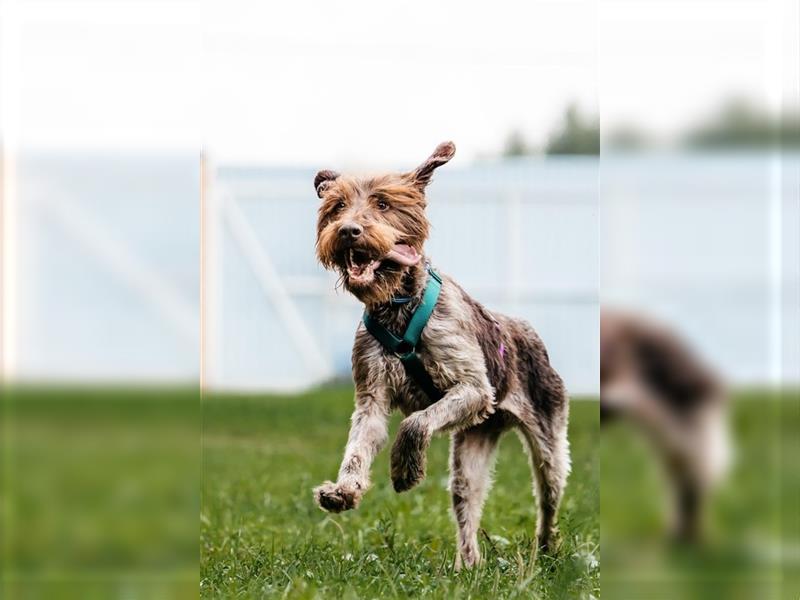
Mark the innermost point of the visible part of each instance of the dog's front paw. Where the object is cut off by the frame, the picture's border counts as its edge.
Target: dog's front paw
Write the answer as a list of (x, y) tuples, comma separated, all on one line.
[(486, 411), (336, 497), (409, 455)]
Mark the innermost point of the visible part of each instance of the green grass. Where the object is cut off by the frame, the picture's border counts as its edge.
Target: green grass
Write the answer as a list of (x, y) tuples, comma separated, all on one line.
[(751, 549), (99, 499), (263, 536), (99, 492)]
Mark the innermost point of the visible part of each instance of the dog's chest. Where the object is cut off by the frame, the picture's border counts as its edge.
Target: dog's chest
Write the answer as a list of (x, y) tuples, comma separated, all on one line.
[(453, 347), (405, 395), (448, 360)]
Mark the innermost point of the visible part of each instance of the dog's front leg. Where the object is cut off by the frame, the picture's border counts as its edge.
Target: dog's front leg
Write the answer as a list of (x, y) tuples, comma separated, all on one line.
[(368, 434), (464, 405)]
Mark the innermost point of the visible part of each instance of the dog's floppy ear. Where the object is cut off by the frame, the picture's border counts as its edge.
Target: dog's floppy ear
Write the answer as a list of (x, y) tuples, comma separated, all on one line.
[(323, 180), (423, 173)]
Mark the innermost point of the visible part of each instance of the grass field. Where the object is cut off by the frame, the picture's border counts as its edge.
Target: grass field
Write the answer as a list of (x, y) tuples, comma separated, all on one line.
[(99, 499), (99, 492), (263, 536), (751, 548)]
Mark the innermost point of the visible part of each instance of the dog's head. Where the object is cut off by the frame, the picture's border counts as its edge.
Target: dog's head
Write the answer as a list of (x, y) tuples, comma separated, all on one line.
[(373, 229)]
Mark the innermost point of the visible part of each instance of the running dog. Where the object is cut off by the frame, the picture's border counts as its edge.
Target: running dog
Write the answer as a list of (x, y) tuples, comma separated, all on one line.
[(468, 371)]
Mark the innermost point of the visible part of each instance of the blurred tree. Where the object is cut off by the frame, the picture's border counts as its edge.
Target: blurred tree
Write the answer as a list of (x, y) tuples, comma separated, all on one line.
[(516, 145), (790, 128), (740, 123), (577, 135), (628, 137)]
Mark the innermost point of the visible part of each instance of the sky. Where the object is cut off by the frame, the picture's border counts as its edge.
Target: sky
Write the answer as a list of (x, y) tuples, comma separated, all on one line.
[(310, 83), (664, 64), (388, 81)]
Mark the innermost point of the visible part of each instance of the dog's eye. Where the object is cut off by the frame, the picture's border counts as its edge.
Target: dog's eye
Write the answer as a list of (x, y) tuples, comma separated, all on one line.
[(339, 206), (382, 205)]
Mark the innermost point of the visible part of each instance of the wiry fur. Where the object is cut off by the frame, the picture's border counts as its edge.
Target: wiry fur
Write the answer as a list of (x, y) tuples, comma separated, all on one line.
[(494, 369)]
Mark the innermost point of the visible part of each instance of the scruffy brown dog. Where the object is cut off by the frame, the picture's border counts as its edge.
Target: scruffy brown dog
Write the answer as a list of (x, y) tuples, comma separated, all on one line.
[(493, 371)]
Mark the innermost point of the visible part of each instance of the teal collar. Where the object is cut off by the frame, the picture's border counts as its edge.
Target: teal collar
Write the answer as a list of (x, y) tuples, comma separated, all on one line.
[(405, 348)]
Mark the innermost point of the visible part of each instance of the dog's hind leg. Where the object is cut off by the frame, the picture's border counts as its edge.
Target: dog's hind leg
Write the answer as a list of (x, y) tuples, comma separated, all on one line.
[(542, 411), (472, 453), (548, 449)]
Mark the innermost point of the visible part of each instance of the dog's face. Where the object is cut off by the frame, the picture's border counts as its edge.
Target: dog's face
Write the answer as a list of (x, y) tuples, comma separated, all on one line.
[(373, 229)]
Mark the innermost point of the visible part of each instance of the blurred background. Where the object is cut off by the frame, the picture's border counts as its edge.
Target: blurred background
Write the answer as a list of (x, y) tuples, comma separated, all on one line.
[(699, 188), (100, 420)]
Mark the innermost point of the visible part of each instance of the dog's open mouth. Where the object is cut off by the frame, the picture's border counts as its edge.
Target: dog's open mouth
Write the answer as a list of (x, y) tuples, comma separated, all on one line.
[(361, 264)]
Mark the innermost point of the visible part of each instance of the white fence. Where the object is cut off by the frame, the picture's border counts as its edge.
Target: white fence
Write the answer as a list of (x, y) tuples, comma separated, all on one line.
[(710, 245), (109, 271)]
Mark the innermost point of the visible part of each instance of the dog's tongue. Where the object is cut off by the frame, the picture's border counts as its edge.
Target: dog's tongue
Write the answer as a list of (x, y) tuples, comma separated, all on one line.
[(403, 254)]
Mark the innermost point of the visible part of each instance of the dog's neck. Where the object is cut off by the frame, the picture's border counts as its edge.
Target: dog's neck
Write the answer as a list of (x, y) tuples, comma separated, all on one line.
[(395, 315)]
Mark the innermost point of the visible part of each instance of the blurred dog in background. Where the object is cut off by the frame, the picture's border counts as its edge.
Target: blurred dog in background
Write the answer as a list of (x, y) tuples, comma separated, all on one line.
[(651, 378)]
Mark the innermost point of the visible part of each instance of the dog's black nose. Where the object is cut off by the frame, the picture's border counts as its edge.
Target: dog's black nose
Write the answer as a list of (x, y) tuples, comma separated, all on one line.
[(350, 231)]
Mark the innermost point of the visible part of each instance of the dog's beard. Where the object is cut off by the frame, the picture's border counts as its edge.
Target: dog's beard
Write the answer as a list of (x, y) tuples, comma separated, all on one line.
[(375, 277)]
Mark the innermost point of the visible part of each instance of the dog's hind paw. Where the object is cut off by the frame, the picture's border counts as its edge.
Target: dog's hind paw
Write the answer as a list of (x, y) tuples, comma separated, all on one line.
[(409, 456), (334, 497), (548, 542)]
